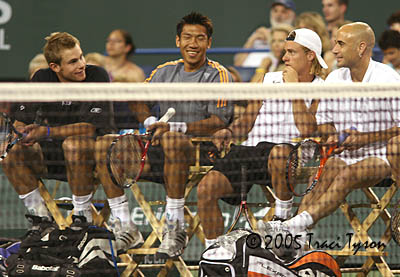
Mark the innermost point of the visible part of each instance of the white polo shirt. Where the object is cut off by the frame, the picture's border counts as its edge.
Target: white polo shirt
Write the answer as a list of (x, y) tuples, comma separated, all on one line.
[(376, 73), (275, 121), (365, 114)]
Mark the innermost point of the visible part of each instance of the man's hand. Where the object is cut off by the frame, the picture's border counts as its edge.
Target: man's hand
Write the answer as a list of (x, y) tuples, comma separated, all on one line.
[(290, 75), (355, 140), (222, 139), (262, 33), (33, 133), (159, 128)]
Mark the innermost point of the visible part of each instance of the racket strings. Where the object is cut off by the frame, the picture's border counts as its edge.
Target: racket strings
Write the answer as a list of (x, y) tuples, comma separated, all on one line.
[(125, 159), (395, 227), (5, 134), (303, 165)]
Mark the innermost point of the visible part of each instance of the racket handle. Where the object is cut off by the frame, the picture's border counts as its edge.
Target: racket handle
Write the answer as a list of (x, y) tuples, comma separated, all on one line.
[(243, 183), (167, 116), (343, 136)]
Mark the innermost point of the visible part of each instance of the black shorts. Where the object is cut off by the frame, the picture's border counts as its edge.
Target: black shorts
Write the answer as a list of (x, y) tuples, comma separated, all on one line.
[(255, 160), (155, 156), (53, 155)]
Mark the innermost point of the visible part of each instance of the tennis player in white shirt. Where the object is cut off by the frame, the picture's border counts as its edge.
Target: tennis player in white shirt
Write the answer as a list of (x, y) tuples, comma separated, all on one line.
[(362, 161)]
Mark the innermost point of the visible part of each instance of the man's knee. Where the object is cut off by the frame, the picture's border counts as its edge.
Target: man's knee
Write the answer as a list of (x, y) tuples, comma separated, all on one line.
[(78, 148), (393, 149), (212, 187), (278, 156), (20, 155), (175, 142), (101, 146)]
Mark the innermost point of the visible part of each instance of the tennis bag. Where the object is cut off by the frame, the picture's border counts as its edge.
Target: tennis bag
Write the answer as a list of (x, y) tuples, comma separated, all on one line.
[(81, 250), (242, 253)]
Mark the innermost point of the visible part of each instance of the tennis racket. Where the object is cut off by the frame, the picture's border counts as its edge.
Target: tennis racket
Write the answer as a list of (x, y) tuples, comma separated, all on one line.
[(306, 163), (9, 136), (243, 210), (395, 224), (124, 163)]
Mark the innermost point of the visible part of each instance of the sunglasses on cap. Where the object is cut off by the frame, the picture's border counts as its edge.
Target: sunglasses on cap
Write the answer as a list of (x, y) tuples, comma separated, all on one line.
[(291, 36)]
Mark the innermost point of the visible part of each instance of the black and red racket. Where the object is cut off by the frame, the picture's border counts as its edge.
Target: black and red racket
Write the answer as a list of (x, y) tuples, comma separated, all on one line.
[(124, 163), (306, 163), (243, 210), (9, 136)]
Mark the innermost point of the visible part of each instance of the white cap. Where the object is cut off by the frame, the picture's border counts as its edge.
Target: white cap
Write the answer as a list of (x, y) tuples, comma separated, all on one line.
[(310, 40)]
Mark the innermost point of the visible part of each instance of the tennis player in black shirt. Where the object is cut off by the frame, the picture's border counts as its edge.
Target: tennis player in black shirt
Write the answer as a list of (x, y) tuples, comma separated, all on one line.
[(60, 136)]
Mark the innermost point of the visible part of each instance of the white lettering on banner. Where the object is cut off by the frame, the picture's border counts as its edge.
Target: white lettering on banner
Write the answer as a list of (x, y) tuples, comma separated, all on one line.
[(5, 16), (5, 12), (137, 216), (3, 45)]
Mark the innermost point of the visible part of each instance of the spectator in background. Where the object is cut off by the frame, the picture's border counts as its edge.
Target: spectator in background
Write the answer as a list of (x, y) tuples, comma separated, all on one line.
[(333, 33), (235, 74), (334, 11), (389, 42), (273, 61), (119, 47), (95, 58), (394, 21), (281, 12), (315, 22), (38, 62)]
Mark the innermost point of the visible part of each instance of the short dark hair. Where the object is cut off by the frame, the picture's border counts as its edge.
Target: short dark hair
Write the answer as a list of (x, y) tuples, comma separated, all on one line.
[(394, 18), (195, 18), (389, 39), (343, 2), (128, 40)]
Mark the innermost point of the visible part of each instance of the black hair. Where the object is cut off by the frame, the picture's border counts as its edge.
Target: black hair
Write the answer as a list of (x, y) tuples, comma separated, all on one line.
[(195, 18), (344, 2), (389, 39), (394, 18), (128, 40)]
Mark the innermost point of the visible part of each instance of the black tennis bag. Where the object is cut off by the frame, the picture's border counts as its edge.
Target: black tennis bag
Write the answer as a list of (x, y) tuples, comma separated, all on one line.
[(81, 250), (242, 253)]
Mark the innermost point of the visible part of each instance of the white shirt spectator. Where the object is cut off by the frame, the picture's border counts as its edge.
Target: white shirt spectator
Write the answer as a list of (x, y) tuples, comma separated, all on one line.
[(254, 59), (275, 121), (365, 114)]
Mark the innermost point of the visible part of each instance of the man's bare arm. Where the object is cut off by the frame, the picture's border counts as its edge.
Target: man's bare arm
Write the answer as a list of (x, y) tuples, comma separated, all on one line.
[(304, 118), (243, 125)]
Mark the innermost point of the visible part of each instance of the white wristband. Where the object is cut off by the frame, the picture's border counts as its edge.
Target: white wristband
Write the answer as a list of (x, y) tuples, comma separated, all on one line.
[(148, 121), (180, 127)]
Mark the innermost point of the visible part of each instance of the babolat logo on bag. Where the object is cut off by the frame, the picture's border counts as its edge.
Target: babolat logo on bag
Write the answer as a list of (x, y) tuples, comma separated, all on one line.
[(45, 268), (81, 250)]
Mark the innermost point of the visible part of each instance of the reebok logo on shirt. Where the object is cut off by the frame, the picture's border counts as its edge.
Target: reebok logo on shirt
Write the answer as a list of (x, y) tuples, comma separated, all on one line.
[(96, 110)]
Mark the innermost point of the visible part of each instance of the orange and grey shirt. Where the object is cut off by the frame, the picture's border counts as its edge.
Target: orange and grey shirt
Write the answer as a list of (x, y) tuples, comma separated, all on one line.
[(190, 111)]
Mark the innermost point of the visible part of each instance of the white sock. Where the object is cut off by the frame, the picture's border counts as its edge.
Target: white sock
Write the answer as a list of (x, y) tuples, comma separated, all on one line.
[(120, 209), (82, 206), (283, 208), (209, 242), (34, 203), (174, 210), (299, 223)]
